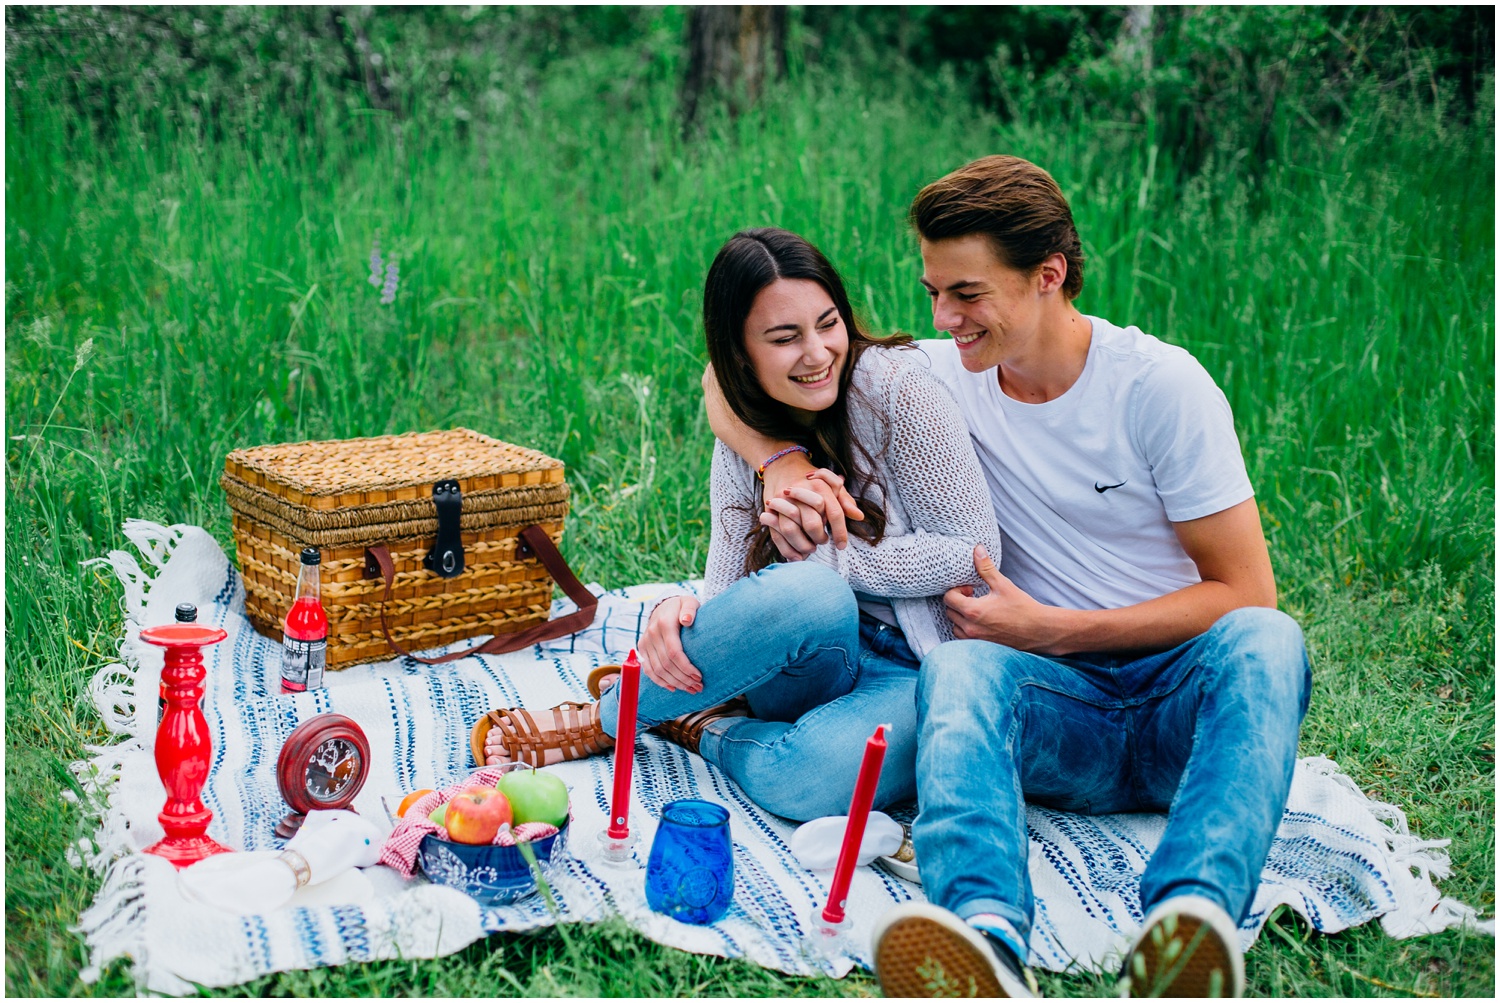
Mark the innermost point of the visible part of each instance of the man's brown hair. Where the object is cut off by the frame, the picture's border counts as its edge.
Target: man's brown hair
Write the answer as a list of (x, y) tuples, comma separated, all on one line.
[(1011, 201)]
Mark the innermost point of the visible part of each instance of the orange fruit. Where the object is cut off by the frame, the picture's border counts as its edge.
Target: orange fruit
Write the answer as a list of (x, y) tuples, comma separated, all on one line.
[(412, 799)]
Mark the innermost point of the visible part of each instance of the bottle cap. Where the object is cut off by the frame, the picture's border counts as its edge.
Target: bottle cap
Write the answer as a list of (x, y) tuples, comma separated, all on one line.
[(312, 555), (187, 613)]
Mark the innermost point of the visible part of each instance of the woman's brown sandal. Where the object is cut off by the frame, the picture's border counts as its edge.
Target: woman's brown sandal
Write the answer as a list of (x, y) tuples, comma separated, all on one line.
[(524, 742), (597, 677), (687, 730)]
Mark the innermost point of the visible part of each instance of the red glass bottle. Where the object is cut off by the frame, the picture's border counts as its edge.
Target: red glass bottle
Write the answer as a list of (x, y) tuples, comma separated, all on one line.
[(304, 636)]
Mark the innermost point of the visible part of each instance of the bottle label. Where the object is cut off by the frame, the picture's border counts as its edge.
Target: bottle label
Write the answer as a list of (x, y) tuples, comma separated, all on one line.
[(302, 664)]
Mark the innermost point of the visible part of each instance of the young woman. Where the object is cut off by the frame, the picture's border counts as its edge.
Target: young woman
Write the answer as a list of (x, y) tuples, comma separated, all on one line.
[(783, 670)]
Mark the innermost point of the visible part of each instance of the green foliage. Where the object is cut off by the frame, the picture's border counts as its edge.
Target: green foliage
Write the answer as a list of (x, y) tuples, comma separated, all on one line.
[(1037, 39), (208, 72), (188, 243), (1201, 81), (1247, 82)]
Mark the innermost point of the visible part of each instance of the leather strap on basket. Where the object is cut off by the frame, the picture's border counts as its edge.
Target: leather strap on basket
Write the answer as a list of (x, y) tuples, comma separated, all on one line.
[(535, 540)]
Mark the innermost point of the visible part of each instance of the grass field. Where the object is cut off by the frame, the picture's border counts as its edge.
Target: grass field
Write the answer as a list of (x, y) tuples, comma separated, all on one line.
[(170, 298)]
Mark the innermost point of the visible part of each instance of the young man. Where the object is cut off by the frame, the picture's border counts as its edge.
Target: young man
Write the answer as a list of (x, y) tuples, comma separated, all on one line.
[(1127, 655)]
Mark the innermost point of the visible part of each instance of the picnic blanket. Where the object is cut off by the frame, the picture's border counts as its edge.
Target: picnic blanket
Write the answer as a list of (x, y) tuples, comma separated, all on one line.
[(1339, 859)]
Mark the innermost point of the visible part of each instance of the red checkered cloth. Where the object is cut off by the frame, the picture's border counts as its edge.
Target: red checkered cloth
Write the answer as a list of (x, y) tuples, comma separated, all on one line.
[(400, 849)]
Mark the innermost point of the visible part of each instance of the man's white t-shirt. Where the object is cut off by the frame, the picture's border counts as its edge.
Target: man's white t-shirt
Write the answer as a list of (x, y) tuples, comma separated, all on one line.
[(1086, 486)]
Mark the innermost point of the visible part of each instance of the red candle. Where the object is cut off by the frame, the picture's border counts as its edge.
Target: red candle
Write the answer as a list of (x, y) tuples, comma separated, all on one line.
[(854, 833), (630, 690)]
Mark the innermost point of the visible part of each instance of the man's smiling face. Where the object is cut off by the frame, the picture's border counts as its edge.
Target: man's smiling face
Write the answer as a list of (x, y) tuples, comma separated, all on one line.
[(992, 311)]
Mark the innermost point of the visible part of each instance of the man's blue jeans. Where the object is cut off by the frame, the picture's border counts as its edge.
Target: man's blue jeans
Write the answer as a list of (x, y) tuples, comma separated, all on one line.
[(818, 677), (1207, 729)]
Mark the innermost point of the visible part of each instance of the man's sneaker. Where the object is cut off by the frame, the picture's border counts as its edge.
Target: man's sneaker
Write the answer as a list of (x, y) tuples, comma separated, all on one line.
[(1188, 946), (924, 951)]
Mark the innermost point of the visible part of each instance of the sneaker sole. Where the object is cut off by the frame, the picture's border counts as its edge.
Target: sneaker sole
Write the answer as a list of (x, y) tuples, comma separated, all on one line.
[(1183, 963), (919, 957)]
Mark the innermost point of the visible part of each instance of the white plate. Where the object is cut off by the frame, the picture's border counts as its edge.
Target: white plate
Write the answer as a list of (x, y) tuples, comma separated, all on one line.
[(907, 871)]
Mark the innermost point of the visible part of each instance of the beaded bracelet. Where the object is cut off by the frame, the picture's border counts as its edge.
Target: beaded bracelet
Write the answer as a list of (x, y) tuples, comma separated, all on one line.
[(761, 473)]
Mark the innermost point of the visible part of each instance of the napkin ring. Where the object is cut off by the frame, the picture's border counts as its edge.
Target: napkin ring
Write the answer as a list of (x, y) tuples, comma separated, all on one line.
[(907, 852), (298, 863)]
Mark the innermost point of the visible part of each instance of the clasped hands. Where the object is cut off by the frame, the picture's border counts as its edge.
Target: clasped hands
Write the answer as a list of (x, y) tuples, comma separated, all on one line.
[(805, 508), (808, 507)]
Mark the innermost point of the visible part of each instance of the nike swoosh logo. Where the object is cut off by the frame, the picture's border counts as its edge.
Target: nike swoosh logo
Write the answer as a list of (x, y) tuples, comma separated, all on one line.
[(1101, 488)]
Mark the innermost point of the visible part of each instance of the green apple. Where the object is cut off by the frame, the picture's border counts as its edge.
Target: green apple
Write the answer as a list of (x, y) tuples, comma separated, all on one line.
[(439, 814), (536, 796)]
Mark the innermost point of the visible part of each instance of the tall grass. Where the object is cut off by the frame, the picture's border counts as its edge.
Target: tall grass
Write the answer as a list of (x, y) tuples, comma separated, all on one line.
[(170, 298), (1343, 302)]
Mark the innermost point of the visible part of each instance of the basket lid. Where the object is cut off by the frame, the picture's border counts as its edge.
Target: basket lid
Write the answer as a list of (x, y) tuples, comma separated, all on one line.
[(389, 467)]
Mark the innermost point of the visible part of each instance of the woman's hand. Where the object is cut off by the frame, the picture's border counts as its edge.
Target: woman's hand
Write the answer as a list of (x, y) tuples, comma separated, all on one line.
[(660, 650), (779, 516), (806, 509)]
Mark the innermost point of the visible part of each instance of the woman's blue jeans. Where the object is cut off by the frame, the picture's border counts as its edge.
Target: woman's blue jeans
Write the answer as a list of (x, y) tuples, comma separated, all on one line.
[(1206, 731), (818, 677)]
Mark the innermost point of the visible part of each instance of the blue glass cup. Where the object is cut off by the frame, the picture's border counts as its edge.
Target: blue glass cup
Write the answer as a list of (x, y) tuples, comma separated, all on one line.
[(690, 873)]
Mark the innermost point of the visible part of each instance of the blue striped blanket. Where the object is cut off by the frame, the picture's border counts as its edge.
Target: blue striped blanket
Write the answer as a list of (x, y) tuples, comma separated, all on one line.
[(1339, 859)]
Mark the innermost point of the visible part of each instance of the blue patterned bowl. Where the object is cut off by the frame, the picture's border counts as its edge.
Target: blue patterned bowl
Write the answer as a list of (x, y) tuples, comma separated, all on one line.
[(491, 875)]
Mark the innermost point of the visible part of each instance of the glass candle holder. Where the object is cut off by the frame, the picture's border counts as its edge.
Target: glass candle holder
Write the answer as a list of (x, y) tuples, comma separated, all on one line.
[(825, 939), (690, 873)]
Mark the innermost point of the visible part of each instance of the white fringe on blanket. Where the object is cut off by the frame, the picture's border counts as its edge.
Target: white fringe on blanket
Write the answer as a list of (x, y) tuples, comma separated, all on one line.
[(1339, 859)]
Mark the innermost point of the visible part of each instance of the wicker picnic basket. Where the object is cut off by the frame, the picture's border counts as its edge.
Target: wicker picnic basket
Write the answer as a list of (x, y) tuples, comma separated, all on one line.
[(427, 538)]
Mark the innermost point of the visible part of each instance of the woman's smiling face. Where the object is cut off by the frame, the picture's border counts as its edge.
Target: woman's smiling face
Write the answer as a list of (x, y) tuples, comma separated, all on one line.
[(797, 343)]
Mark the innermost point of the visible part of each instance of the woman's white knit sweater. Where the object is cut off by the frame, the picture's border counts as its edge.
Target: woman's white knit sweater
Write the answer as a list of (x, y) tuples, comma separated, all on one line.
[(926, 479)]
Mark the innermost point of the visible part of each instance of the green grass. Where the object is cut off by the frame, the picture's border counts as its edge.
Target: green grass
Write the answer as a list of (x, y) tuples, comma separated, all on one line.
[(551, 259)]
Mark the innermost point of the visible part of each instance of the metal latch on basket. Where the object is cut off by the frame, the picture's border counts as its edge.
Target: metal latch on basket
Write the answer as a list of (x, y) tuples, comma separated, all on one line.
[(447, 554)]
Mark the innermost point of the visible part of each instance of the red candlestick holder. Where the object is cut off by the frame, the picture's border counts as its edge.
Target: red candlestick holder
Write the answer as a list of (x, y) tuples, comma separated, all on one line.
[(183, 745)]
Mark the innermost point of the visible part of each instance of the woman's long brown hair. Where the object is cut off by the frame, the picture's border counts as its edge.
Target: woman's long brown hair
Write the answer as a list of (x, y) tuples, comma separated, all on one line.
[(746, 264)]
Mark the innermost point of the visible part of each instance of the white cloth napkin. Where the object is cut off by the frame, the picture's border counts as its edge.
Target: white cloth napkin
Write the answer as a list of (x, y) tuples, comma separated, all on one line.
[(816, 844), (332, 842)]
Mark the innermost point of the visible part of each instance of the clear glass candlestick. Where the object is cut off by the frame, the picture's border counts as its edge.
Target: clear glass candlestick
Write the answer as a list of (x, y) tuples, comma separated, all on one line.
[(825, 939), (618, 851)]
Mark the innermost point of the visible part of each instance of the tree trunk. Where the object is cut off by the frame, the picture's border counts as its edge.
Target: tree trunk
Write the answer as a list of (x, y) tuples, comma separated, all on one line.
[(732, 52)]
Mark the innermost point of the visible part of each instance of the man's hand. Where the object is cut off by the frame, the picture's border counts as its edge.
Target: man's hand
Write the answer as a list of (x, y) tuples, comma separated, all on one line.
[(660, 649), (805, 507), (1228, 548), (1006, 616)]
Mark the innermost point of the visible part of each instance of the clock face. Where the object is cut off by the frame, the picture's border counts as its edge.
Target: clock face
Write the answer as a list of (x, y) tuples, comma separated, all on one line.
[(331, 768), (323, 764)]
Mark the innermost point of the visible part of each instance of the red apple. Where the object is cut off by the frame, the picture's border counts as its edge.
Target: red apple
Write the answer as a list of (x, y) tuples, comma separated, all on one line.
[(475, 814)]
